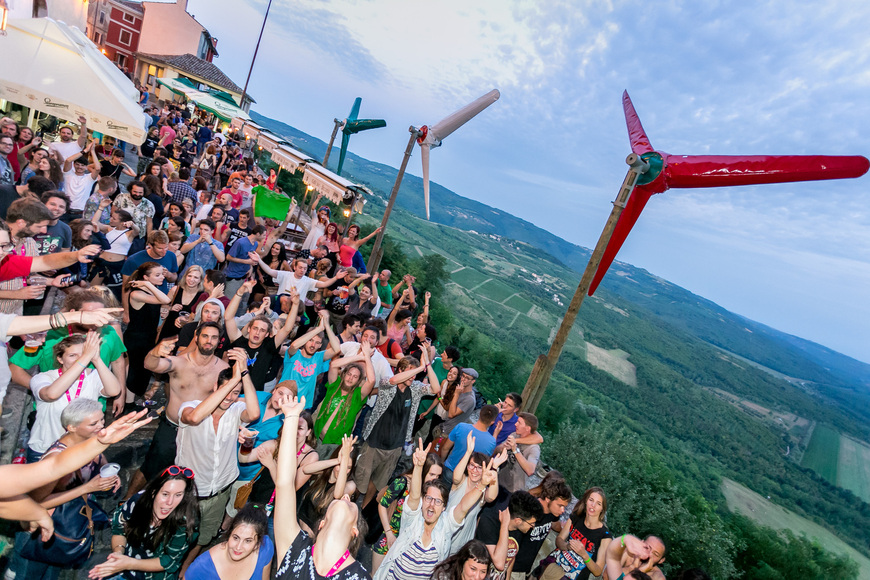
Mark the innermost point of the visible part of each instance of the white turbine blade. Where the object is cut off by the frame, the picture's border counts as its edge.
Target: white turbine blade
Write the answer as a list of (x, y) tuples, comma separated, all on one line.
[(455, 120), (424, 155)]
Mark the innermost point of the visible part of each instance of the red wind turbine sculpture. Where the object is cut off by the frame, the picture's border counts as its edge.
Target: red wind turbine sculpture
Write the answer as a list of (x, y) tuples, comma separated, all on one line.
[(651, 172)]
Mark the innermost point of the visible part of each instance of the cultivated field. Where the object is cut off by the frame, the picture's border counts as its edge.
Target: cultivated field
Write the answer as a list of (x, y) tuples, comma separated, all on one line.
[(746, 502), (823, 453), (853, 471)]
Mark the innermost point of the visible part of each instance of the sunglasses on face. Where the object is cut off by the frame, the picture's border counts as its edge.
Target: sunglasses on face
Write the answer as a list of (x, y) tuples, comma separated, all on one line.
[(178, 470)]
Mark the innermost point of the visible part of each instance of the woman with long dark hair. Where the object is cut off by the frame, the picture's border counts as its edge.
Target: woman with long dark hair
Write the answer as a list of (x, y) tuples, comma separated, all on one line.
[(153, 530), (391, 500), (471, 562), (276, 258), (141, 334), (442, 404), (351, 244), (332, 551), (244, 554), (330, 480), (583, 541), (182, 296), (331, 240)]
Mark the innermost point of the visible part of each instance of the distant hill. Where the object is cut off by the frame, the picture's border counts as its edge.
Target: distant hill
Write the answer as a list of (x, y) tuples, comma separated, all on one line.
[(834, 372)]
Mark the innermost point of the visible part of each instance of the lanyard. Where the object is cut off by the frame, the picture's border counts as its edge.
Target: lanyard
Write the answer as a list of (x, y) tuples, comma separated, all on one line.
[(337, 565), (78, 391)]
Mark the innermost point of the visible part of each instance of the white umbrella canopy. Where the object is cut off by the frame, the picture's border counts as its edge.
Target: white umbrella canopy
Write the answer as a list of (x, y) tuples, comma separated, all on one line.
[(55, 68)]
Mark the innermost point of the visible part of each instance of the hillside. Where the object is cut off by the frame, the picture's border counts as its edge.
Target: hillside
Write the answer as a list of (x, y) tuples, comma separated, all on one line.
[(688, 377), (842, 379)]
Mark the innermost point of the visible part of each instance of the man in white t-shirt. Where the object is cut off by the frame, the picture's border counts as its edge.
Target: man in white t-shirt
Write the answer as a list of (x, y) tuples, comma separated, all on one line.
[(79, 177), (296, 278), (245, 188), (66, 146)]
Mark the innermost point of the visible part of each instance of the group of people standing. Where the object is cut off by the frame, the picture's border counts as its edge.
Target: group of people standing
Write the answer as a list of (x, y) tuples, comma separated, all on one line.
[(308, 407)]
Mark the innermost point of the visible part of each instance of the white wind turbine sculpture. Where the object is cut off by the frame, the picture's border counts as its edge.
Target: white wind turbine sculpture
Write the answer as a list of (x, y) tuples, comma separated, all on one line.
[(427, 138)]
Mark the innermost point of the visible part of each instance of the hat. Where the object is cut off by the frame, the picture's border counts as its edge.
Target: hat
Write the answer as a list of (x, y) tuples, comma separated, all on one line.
[(470, 372)]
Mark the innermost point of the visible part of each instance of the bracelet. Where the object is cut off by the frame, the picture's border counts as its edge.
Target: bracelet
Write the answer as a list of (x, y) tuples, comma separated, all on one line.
[(622, 540), (244, 373), (587, 560), (81, 365)]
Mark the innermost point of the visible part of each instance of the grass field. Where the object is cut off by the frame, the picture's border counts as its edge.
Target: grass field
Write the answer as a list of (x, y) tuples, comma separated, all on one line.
[(853, 472), (746, 502), (823, 453), (495, 290), (519, 303), (468, 277), (613, 362)]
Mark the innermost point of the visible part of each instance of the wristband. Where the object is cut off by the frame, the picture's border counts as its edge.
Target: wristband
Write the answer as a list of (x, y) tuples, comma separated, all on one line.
[(622, 540), (81, 365), (587, 560), (244, 373)]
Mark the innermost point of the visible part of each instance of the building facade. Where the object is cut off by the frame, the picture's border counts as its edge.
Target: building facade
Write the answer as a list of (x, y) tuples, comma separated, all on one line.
[(115, 26)]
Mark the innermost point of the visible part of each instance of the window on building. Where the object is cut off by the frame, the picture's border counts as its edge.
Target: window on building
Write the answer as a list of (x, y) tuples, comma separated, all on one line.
[(98, 38), (125, 38), (121, 59), (102, 17), (129, 18)]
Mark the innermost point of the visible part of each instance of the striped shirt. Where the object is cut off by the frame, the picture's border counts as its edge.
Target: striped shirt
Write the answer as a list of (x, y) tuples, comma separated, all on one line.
[(415, 563)]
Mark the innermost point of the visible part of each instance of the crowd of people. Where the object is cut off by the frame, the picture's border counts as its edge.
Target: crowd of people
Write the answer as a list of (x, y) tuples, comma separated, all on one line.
[(306, 408)]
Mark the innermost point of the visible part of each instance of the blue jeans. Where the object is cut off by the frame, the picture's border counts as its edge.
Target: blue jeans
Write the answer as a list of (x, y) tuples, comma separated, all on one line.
[(32, 456)]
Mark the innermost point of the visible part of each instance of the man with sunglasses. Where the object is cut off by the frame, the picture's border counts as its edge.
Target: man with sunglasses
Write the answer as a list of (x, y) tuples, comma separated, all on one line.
[(208, 432)]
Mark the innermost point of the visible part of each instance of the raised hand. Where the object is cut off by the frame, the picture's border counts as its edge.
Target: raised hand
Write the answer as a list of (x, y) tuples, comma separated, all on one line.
[(240, 356), (166, 346), (504, 516), (91, 348), (420, 453), (347, 444), (100, 317), (499, 459), (121, 428), (247, 286), (293, 406), (367, 349), (217, 291), (489, 475), (469, 440)]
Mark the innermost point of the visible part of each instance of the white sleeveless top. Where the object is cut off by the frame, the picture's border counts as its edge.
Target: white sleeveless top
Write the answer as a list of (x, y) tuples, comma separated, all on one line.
[(120, 243)]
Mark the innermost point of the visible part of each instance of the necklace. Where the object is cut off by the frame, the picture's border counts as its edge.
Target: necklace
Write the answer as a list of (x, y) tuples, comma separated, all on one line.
[(78, 391), (337, 565)]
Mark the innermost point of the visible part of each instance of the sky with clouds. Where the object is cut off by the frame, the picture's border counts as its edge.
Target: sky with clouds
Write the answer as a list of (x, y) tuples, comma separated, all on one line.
[(705, 77)]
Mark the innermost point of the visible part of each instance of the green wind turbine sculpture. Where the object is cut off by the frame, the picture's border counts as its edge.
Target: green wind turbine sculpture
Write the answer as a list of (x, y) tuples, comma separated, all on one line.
[(348, 127)]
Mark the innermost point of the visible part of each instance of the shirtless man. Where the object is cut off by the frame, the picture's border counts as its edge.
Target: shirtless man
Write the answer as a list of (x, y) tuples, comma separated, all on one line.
[(628, 554), (192, 377)]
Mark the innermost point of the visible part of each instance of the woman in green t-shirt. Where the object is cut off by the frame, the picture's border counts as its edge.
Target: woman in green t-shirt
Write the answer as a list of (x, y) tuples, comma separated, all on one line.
[(345, 395)]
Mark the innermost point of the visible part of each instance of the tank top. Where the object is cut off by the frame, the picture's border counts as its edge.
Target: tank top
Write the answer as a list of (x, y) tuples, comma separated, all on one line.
[(119, 243), (346, 254)]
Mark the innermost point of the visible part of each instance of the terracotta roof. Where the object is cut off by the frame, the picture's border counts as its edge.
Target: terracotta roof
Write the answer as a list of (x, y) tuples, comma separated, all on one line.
[(188, 63)]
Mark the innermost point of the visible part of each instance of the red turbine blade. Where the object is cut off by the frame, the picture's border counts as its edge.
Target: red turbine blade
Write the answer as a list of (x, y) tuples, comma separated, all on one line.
[(639, 141), (627, 219), (728, 170)]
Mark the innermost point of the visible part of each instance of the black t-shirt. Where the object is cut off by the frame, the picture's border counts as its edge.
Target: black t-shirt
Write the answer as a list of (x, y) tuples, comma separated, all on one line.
[(109, 170), (389, 431), (298, 564), (147, 148), (337, 304), (235, 233), (531, 544), (259, 359), (8, 194), (488, 531), (591, 540)]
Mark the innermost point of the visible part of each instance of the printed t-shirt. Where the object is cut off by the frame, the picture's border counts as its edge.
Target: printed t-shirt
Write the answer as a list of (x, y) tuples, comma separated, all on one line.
[(488, 531), (266, 431), (531, 544), (56, 237), (297, 564), (344, 421), (259, 359), (304, 371), (571, 563), (240, 250)]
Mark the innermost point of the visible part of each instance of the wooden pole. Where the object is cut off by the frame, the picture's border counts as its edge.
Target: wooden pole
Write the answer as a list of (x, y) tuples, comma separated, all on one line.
[(331, 140), (254, 59), (375, 257), (540, 375)]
